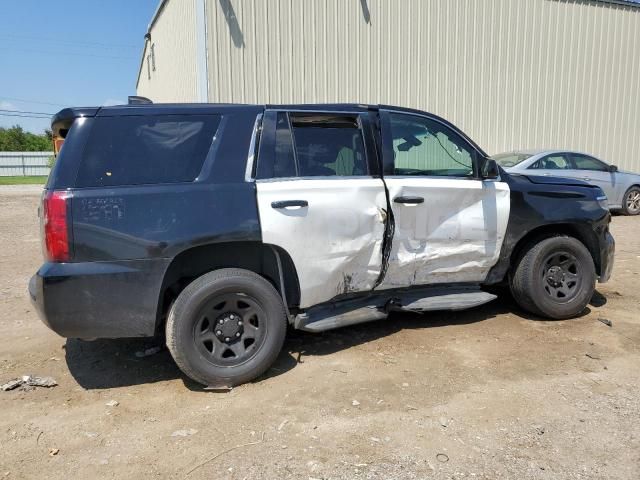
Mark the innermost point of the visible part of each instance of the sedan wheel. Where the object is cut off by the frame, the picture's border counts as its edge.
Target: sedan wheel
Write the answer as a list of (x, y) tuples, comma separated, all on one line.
[(632, 201)]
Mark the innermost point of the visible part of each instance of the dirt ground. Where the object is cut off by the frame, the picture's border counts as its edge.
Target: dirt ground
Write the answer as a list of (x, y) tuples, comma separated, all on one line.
[(485, 394)]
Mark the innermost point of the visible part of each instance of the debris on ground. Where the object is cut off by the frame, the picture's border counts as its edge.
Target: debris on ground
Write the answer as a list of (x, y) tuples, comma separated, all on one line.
[(444, 422), (148, 352), (53, 451), (594, 357), (540, 429), (281, 426), (355, 403), (112, 403), (184, 433), (606, 321), (442, 457), (29, 381)]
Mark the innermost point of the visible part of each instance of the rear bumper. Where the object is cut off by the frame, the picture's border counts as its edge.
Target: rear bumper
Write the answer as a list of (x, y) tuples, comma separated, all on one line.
[(99, 299), (607, 254)]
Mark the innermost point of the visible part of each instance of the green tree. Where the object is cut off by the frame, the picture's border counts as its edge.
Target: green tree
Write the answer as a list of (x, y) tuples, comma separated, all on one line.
[(15, 139)]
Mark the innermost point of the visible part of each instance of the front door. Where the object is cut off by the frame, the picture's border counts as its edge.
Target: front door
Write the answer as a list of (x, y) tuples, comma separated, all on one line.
[(449, 225), (319, 200)]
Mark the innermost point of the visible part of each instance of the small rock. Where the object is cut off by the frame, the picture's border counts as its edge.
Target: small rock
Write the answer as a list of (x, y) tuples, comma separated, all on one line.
[(540, 429), (53, 451), (184, 433), (112, 403), (148, 352), (355, 403), (375, 439)]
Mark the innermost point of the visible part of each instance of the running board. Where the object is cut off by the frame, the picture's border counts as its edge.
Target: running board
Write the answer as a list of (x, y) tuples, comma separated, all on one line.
[(378, 305)]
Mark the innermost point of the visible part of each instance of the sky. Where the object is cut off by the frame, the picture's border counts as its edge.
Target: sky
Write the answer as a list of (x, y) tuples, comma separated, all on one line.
[(68, 53)]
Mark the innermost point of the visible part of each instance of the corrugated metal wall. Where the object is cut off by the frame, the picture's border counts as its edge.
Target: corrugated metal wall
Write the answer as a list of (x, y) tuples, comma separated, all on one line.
[(173, 37), (511, 73)]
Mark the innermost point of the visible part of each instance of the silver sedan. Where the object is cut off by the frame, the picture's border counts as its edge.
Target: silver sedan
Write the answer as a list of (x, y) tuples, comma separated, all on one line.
[(622, 188)]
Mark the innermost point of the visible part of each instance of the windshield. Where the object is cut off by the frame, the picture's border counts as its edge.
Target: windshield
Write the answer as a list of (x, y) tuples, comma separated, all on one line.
[(507, 160)]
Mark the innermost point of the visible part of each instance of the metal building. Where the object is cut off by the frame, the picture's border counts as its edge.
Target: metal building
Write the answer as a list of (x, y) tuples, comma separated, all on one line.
[(511, 73)]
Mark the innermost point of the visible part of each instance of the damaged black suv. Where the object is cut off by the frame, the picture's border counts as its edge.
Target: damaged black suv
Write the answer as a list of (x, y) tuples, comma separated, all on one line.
[(220, 225)]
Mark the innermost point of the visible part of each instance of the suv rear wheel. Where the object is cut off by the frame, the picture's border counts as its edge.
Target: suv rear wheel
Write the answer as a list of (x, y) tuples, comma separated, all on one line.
[(226, 327), (554, 278)]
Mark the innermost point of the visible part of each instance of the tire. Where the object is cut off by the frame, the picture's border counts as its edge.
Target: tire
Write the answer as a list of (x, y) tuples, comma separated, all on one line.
[(631, 201), (226, 327), (554, 278)]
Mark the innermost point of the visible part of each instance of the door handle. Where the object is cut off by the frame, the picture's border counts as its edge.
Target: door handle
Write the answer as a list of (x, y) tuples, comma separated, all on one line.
[(408, 200), (586, 178), (289, 203)]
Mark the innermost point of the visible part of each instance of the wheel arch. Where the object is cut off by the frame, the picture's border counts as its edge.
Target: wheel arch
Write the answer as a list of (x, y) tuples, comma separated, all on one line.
[(268, 261), (582, 233)]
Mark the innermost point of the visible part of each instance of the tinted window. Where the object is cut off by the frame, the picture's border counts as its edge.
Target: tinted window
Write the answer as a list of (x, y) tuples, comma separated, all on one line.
[(276, 158), (328, 145), (552, 162), (137, 150), (426, 147), (585, 162)]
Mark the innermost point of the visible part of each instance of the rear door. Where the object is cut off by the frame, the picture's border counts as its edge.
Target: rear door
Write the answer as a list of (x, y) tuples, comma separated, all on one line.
[(449, 225), (321, 199)]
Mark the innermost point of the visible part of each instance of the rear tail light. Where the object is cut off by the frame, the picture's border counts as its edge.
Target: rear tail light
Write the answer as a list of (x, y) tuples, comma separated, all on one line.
[(55, 225)]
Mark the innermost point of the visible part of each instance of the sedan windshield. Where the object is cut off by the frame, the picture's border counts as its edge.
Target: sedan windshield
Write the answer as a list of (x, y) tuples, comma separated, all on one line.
[(507, 160)]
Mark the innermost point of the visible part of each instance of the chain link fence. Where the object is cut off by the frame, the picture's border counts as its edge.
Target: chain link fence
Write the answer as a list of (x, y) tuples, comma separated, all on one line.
[(23, 164)]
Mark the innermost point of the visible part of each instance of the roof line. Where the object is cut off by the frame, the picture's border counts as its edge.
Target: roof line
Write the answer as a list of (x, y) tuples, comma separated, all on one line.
[(147, 35)]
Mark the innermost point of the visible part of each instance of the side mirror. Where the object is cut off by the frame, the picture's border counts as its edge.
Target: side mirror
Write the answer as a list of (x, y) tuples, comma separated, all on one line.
[(490, 170), (613, 168)]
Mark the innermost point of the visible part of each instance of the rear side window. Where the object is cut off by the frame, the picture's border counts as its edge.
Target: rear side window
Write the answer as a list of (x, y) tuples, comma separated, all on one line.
[(149, 149), (311, 145)]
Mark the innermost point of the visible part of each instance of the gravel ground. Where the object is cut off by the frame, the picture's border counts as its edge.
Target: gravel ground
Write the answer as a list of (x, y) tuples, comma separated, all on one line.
[(488, 393)]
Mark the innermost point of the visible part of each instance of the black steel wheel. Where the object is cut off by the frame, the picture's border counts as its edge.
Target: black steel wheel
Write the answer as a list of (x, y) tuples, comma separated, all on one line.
[(554, 277), (226, 327), (561, 277), (230, 329)]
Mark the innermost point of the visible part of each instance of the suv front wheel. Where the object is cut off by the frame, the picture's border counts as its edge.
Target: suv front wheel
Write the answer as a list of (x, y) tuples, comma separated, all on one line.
[(226, 327), (554, 278)]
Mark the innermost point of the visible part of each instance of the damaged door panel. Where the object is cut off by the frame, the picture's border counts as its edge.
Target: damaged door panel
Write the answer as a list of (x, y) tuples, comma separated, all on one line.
[(335, 239), (453, 235), (449, 224), (317, 201)]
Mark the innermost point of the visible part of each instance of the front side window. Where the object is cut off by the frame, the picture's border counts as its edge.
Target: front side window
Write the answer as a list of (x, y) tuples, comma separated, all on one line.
[(146, 149), (422, 146), (552, 162), (585, 162)]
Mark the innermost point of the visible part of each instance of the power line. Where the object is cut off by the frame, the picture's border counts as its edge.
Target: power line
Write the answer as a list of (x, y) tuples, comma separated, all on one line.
[(23, 116), (23, 100), (56, 53), (67, 42), (23, 111)]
